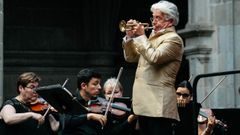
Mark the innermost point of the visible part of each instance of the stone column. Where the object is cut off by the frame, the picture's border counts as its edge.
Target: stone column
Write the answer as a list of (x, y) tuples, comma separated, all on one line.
[(1, 51), (211, 46)]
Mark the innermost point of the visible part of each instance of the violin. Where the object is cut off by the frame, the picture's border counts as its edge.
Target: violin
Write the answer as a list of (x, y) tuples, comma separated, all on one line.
[(99, 105), (203, 116), (41, 106)]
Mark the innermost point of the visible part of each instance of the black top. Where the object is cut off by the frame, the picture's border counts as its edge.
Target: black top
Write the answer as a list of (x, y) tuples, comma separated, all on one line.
[(78, 124), (119, 126), (185, 125), (27, 127)]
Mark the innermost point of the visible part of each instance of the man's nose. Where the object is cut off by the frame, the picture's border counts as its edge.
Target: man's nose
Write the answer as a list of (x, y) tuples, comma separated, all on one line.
[(99, 86), (181, 96)]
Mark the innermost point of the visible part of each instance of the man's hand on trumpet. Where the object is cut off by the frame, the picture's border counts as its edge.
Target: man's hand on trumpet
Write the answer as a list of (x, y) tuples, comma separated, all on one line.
[(135, 29), (130, 30)]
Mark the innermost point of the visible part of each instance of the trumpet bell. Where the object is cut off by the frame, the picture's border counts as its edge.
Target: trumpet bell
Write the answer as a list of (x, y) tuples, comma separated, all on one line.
[(122, 26)]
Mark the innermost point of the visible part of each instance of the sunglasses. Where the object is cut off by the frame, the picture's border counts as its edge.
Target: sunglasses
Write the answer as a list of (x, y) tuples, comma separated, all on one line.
[(185, 95)]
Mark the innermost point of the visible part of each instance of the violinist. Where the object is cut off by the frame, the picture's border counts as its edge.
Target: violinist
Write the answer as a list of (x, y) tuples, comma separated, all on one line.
[(206, 124), (88, 84), (185, 109), (16, 116), (124, 125)]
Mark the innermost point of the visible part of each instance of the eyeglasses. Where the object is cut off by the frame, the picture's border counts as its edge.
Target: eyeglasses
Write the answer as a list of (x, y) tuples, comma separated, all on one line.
[(157, 18), (184, 95)]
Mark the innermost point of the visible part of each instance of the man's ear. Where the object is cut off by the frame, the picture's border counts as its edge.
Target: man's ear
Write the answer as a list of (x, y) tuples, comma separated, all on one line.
[(83, 85), (171, 22)]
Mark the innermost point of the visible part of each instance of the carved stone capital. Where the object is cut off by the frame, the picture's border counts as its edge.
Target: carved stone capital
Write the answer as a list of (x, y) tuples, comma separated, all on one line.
[(195, 30), (200, 52), (196, 50)]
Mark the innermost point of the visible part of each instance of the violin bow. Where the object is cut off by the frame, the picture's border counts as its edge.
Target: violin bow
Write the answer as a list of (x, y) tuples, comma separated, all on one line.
[(111, 97), (213, 89), (203, 113), (190, 78), (44, 115), (65, 82)]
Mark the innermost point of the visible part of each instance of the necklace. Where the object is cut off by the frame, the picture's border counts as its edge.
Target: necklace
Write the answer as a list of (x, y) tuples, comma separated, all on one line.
[(23, 104)]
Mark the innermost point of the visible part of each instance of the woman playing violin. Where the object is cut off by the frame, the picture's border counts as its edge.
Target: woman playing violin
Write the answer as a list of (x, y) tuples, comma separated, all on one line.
[(185, 109), (125, 125), (16, 115), (206, 120)]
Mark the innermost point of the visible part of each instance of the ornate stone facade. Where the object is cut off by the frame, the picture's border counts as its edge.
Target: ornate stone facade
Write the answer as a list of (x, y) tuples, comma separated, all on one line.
[(212, 45)]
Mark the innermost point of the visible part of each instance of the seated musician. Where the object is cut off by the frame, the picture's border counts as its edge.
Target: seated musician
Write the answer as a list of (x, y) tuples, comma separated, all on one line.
[(89, 123), (120, 125), (88, 83), (185, 109), (16, 116)]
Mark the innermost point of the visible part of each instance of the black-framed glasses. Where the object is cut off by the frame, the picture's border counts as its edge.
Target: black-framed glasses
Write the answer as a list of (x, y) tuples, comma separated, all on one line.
[(184, 95)]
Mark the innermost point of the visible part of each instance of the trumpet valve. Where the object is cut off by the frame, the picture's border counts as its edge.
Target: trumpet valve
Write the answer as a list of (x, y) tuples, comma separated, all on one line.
[(123, 26)]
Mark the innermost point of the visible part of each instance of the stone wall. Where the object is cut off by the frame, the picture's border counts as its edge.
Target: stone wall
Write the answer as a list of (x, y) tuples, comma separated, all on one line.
[(212, 37)]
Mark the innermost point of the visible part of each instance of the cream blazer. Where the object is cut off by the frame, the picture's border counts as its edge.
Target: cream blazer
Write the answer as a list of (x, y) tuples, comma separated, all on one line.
[(159, 59)]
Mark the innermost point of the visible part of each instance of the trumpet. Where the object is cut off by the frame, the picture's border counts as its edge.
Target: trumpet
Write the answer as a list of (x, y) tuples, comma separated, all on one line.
[(123, 26)]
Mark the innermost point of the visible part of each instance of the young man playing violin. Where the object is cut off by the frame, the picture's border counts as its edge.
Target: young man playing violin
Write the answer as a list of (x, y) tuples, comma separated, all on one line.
[(16, 116), (88, 83), (90, 123)]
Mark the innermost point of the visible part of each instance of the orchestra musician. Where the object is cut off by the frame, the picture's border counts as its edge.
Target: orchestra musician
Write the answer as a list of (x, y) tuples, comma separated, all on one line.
[(206, 119), (159, 58), (88, 84), (91, 122), (185, 109), (16, 116), (119, 126)]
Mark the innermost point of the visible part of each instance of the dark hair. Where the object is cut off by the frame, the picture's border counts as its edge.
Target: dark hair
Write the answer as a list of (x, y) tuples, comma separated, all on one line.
[(25, 78), (85, 75), (186, 84)]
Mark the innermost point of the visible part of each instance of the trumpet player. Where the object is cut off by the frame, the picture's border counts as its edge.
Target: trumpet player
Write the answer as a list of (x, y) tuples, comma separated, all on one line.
[(159, 58)]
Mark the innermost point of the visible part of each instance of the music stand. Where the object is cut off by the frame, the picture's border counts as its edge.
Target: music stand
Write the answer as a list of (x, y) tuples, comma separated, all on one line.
[(61, 99)]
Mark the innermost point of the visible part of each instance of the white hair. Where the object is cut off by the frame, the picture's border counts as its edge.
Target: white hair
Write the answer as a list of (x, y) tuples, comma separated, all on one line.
[(169, 9), (112, 82)]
